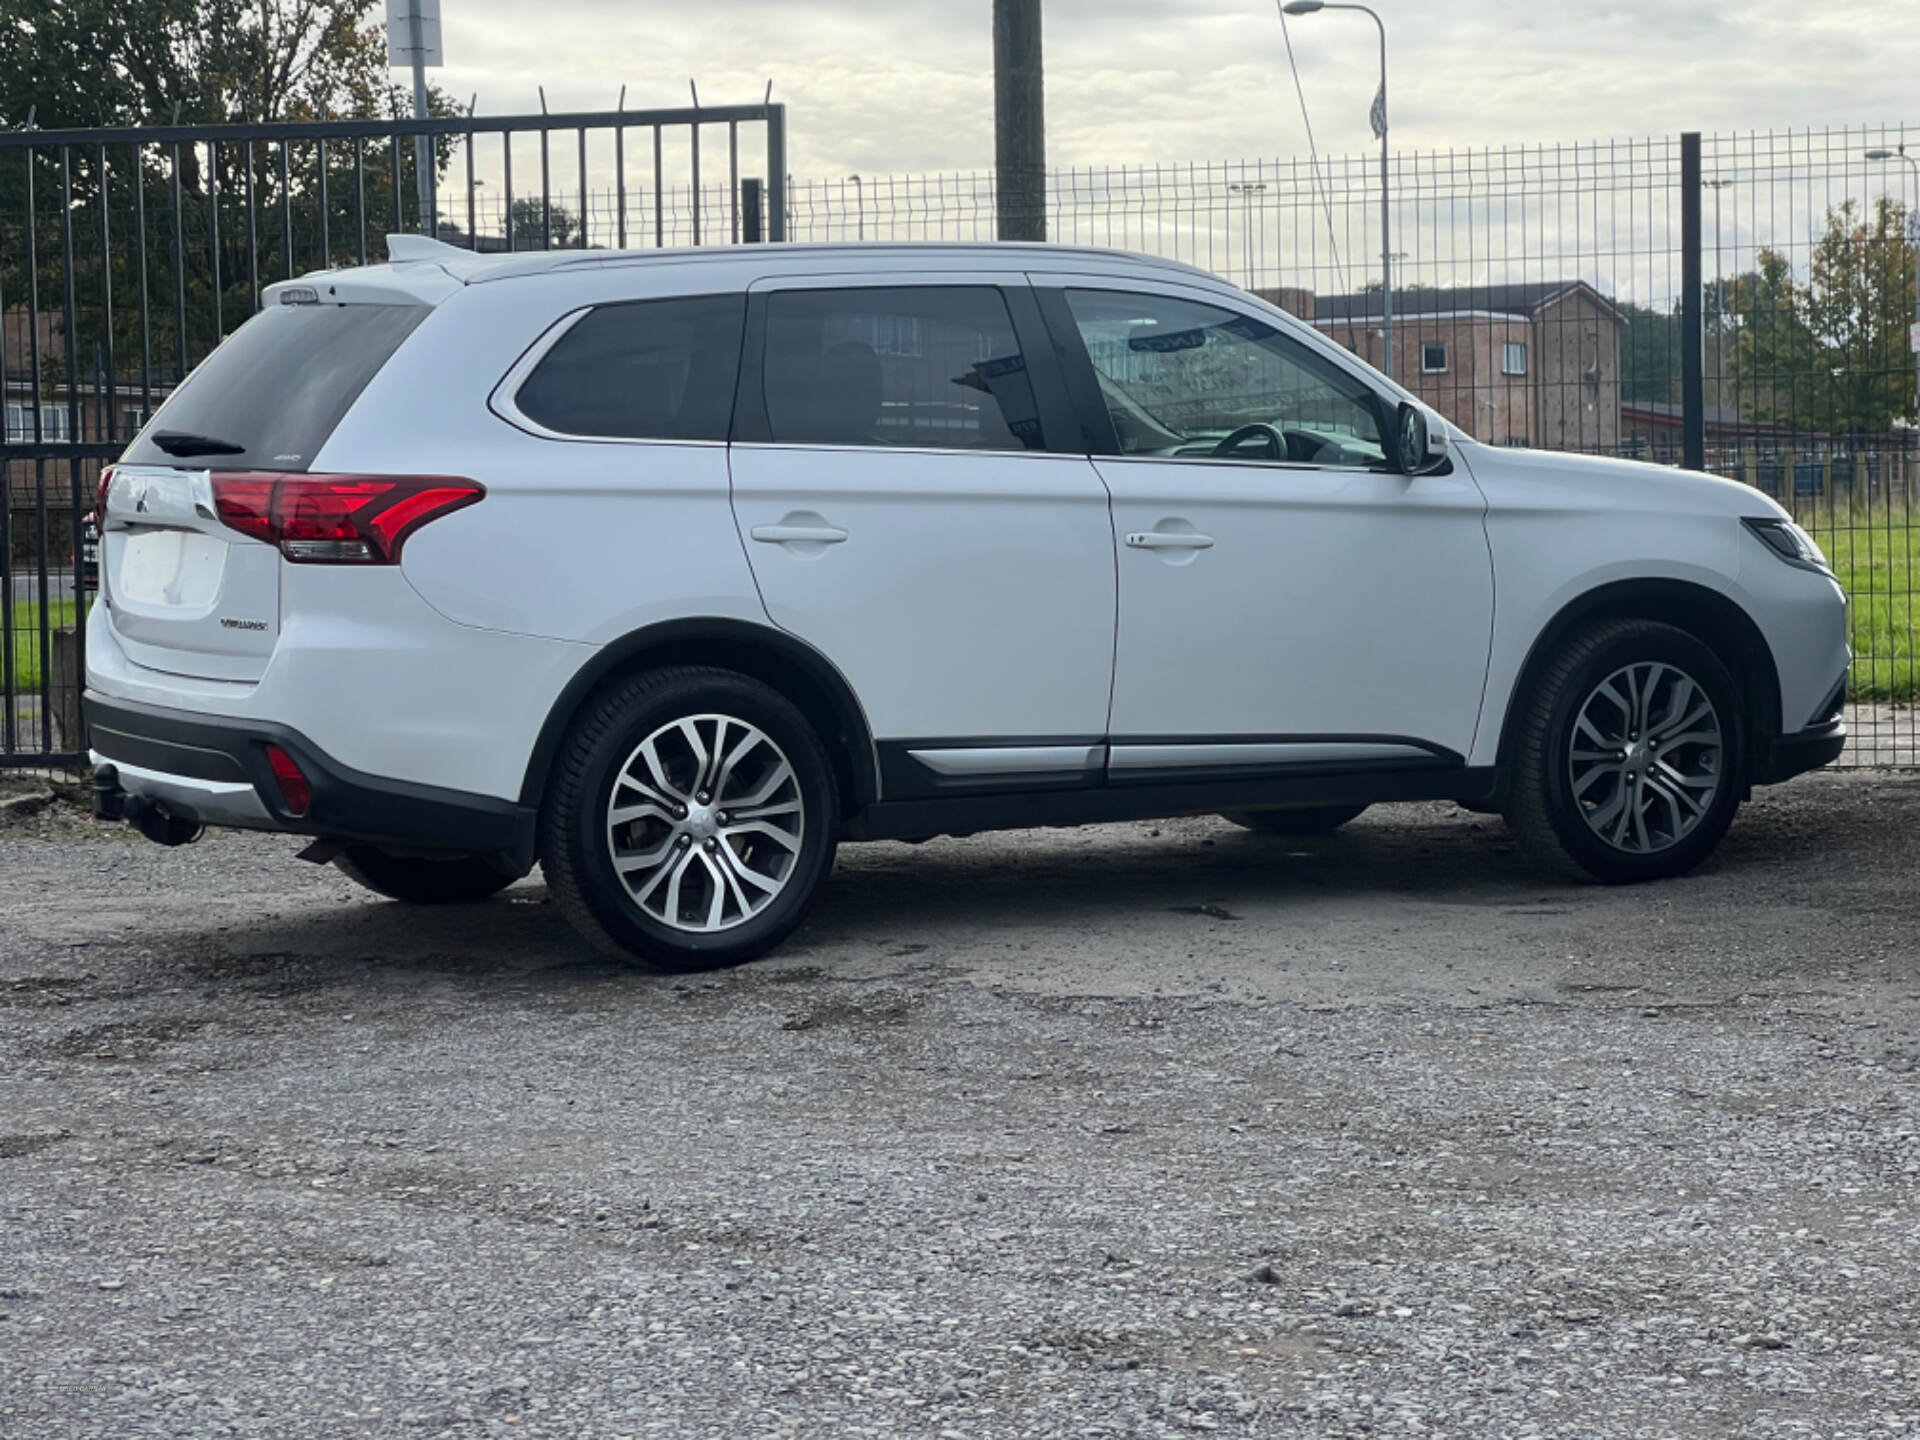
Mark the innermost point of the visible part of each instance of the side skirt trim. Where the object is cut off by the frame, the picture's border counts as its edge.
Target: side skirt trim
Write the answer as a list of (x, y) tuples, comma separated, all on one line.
[(915, 819), (927, 769)]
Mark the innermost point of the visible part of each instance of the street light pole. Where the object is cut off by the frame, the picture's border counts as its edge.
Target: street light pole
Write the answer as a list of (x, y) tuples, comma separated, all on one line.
[(1378, 117), (1913, 165)]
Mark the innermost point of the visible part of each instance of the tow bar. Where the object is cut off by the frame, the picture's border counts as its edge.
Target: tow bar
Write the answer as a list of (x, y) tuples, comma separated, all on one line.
[(150, 817)]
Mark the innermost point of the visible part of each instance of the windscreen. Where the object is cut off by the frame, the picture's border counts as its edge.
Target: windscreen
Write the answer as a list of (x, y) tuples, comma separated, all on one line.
[(269, 396)]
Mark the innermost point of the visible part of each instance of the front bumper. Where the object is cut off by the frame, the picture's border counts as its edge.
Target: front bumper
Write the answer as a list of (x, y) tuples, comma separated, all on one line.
[(213, 771), (1791, 755)]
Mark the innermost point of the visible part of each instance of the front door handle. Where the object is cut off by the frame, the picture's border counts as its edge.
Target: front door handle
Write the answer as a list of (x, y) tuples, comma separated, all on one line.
[(1170, 540), (798, 534)]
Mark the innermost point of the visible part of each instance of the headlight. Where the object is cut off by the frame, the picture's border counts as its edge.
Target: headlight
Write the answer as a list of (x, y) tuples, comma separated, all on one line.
[(1790, 543)]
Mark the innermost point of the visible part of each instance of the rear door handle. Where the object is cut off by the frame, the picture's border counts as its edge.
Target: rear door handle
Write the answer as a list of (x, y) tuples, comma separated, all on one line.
[(1169, 540), (798, 534)]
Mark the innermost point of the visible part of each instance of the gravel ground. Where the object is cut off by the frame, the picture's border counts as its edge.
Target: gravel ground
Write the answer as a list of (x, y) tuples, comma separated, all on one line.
[(1134, 1131)]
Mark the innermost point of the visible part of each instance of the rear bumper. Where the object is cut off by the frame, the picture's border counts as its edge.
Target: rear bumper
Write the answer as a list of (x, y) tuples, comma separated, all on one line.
[(214, 771), (1791, 755)]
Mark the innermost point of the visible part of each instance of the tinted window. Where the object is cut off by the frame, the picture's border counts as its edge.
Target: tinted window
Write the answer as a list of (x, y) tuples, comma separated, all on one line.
[(1181, 378), (936, 368), (278, 385), (642, 370)]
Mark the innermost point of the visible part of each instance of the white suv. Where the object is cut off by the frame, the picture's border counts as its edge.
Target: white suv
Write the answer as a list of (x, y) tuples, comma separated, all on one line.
[(669, 572)]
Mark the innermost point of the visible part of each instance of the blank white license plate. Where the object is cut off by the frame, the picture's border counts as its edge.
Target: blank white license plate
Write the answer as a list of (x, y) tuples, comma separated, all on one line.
[(172, 569)]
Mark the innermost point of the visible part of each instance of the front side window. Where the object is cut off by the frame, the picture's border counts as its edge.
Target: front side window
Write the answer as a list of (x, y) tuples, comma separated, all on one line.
[(933, 367), (1186, 380), (642, 370)]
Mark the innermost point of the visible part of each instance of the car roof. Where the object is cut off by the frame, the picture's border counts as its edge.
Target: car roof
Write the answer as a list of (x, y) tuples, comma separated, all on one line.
[(427, 271)]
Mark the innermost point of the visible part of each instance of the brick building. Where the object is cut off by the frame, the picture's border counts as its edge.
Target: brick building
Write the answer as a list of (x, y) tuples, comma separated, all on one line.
[(1535, 364)]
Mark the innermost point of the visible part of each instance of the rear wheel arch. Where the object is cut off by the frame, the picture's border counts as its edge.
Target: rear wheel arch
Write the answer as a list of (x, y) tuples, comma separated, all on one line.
[(1710, 617), (796, 670)]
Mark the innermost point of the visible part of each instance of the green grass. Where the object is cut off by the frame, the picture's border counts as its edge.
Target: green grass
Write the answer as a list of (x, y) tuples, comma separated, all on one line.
[(1873, 557), (26, 642)]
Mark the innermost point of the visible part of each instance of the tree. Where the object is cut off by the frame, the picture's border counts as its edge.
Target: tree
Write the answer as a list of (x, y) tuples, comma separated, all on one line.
[(140, 62), (1859, 300), (84, 63), (1775, 357), (1831, 354), (1650, 362), (563, 226)]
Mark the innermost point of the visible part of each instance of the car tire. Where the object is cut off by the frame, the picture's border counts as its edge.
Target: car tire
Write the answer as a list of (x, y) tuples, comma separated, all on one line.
[(419, 879), (1311, 820), (1628, 763), (682, 883)]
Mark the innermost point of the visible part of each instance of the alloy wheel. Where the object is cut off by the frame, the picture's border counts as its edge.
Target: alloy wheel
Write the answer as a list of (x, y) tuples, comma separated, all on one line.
[(1648, 757), (705, 822)]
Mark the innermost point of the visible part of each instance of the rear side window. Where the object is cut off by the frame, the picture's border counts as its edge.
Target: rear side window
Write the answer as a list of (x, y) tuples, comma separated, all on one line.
[(271, 393), (641, 370), (930, 367)]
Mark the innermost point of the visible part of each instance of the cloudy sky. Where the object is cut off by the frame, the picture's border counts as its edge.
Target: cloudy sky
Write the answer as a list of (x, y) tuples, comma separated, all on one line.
[(881, 86)]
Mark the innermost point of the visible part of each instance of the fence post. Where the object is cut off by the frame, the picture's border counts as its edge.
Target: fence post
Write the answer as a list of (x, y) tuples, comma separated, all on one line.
[(63, 688), (1693, 390), (752, 198), (776, 172)]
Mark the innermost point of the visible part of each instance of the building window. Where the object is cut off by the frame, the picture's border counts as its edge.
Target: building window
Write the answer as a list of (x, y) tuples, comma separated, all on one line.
[(1433, 357), (53, 424), (1513, 358)]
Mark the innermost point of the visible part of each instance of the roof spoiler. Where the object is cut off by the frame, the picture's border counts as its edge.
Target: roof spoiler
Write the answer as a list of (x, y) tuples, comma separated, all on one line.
[(405, 249)]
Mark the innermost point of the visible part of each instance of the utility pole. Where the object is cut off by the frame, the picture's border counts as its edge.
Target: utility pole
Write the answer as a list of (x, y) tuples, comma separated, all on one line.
[(1019, 121), (413, 39)]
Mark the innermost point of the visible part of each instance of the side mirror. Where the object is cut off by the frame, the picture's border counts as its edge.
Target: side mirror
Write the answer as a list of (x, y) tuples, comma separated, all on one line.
[(1414, 444)]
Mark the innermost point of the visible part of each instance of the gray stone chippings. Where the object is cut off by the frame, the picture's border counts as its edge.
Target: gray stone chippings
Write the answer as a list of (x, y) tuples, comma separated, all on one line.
[(1019, 1137)]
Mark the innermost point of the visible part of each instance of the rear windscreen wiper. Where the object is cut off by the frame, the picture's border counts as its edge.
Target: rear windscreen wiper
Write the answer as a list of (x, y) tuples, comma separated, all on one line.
[(183, 443)]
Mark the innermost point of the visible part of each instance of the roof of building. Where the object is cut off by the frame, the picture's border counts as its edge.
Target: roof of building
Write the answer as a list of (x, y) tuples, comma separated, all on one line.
[(1723, 416), (1517, 300)]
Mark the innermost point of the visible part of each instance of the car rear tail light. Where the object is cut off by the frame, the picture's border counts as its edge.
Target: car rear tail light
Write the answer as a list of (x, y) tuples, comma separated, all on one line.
[(100, 500), (337, 519), (295, 793)]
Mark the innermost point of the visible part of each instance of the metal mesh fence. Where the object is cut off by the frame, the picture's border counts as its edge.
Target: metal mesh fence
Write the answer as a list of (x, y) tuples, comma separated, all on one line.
[(1539, 297)]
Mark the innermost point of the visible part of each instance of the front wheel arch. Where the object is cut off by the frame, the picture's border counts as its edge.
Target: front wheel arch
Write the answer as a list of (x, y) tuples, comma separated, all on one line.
[(1710, 617)]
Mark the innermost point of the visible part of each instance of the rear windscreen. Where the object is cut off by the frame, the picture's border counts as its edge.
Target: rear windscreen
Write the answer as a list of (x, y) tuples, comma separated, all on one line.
[(276, 387)]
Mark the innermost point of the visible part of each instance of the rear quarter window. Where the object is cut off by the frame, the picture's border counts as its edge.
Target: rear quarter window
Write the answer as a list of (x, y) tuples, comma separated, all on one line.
[(641, 370), (276, 388)]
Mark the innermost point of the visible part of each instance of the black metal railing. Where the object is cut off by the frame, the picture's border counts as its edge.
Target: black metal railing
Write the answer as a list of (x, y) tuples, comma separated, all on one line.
[(127, 254)]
